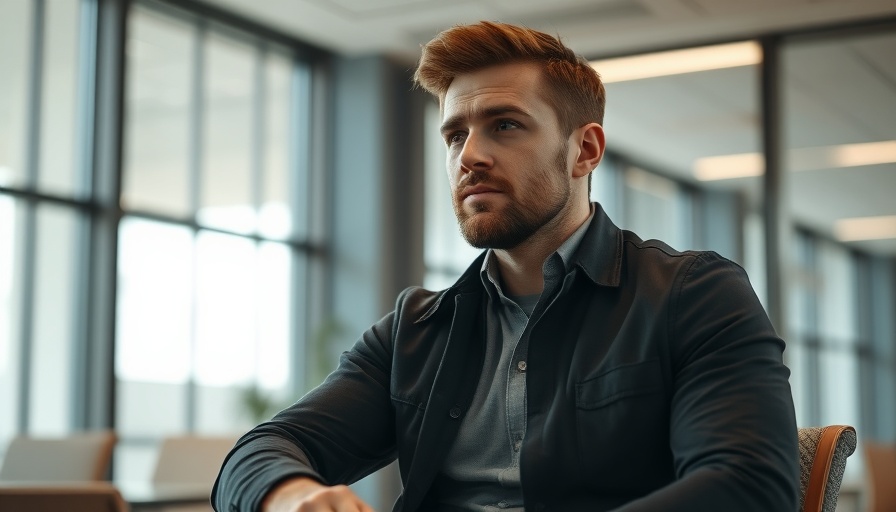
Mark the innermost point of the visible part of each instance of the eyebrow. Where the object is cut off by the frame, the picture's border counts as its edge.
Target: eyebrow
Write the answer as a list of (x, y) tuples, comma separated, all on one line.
[(455, 122)]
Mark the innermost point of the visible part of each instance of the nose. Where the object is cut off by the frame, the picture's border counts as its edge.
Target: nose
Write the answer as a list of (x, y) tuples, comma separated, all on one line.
[(475, 155)]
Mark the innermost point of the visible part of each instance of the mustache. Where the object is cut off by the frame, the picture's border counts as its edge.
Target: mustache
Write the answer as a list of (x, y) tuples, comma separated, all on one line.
[(481, 178)]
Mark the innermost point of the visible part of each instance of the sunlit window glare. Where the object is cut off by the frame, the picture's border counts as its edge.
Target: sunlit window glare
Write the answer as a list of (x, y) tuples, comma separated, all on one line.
[(228, 293)]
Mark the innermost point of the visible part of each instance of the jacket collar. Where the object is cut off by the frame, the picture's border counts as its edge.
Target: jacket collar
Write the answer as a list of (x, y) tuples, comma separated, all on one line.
[(599, 256), (600, 253)]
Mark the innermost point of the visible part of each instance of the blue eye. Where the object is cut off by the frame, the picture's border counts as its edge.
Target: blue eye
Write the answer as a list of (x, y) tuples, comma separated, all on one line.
[(455, 138), (507, 124)]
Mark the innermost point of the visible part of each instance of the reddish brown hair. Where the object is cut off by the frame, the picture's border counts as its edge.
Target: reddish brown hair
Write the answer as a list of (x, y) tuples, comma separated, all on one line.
[(574, 88)]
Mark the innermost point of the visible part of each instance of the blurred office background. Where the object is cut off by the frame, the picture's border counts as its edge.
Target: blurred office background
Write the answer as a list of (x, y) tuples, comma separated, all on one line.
[(203, 203)]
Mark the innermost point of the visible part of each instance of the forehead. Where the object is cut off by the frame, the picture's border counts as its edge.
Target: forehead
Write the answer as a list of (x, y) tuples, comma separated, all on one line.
[(519, 84)]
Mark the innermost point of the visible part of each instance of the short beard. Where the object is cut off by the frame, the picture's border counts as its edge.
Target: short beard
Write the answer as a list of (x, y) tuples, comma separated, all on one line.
[(520, 221)]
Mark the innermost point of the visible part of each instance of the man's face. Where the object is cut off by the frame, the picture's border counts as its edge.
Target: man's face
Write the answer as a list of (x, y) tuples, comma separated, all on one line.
[(508, 160)]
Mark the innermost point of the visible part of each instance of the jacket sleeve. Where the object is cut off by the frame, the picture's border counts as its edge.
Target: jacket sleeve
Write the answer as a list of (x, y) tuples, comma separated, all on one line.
[(733, 432), (337, 433)]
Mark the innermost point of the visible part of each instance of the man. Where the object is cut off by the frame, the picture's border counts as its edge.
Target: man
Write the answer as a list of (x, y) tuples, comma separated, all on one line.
[(572, 367)]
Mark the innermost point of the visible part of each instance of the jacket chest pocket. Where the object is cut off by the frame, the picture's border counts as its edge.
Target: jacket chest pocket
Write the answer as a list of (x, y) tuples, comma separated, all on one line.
[(622, 426)]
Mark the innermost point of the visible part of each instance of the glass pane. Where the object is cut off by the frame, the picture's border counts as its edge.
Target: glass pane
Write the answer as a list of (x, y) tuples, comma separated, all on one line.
[(150, 408), (227, 302), (606, 187), (11, 244), (155, 297), (224, 410), (59, 101), (837, 297), (446, 253), (157, 114), (134, 462), (840, 138), (275, 216), (15, 48), (840, 399), (839, 388), (52, 357), (754, 255), (154, 327), (839, 149), (796, 358), (699, 128), (275, 311), (243, 340), (227, 188), (655, 207)]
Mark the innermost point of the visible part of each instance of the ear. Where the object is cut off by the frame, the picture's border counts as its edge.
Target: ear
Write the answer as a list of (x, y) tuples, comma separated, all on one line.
[(591, 144)]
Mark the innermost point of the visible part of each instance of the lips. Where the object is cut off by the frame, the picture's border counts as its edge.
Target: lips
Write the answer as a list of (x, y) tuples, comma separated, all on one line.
[(477, 189)]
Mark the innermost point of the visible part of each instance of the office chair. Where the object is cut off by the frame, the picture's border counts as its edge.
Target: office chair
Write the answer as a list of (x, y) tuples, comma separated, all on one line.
[(192, 460), (823, 453), (81, 457)]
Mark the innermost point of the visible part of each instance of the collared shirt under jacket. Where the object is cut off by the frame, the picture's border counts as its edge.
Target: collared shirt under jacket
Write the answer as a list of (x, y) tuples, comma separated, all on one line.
[(656, 384)]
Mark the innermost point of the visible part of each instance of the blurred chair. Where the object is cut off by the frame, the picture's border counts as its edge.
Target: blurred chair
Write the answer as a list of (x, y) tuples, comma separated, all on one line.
[(880, 463), (81, 457), (189, 465), (191, 459), (823, 453), (87, 497)]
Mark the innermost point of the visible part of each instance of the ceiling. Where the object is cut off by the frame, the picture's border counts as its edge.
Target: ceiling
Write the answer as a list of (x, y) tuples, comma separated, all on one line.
[(591, 27), (838, 90)]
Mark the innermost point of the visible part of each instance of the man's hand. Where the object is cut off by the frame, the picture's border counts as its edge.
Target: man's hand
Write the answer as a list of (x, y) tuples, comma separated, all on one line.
[(305, 494)]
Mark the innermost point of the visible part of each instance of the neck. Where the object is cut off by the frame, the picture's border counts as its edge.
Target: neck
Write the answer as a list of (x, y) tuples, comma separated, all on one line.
[(521, 268)]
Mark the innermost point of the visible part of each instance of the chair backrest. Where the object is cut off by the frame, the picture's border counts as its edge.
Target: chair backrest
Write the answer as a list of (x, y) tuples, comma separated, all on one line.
[(80, 457), (823, 453), (89, 497), (191, 459), (880, 462)]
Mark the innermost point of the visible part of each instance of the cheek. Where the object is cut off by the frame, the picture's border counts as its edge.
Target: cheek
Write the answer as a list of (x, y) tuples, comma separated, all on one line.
[(452, 167)]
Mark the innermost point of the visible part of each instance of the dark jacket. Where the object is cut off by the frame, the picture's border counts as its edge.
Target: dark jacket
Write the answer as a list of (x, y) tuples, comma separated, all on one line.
[(655, 384)]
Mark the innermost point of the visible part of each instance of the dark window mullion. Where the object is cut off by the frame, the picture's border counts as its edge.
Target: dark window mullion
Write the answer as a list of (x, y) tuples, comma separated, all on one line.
[(197, 144), (865, 349), (29, 221), (310, 189), (83, 270), (257, 173), (815, 345)]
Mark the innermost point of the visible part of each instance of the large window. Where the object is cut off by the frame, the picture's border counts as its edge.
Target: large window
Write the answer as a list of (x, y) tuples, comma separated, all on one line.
[(211, 239), (45, 60), (194, 273), (839, 141)]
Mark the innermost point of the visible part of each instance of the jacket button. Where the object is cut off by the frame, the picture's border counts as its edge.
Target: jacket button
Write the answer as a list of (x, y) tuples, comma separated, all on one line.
[(454, 412)]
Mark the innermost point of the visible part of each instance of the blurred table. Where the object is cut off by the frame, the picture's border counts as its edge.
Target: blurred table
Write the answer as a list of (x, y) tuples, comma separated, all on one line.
[(145, 496), (60, 496), (140, 496)]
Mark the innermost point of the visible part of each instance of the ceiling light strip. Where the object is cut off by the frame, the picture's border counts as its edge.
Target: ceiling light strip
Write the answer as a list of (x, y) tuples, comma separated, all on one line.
[(745, 165), (678, 62), (865, 228)]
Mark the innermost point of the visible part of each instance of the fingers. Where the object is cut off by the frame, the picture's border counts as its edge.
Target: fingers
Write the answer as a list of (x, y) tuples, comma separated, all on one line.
[(338, 498), (308, 495)]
